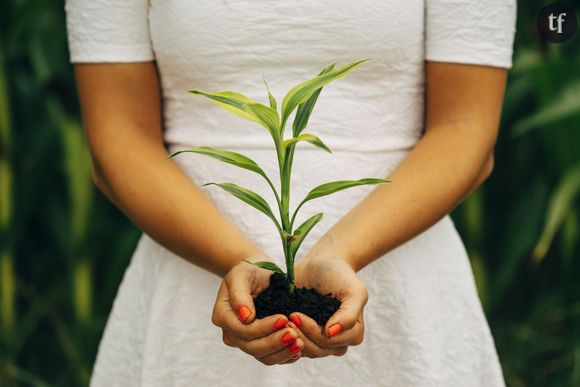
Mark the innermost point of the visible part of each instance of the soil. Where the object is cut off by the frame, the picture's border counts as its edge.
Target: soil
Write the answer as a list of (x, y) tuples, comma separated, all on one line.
[(277, 299)]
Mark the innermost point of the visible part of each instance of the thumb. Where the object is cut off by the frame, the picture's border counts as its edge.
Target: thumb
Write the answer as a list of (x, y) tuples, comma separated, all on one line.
[(240, 297), (347, 315)]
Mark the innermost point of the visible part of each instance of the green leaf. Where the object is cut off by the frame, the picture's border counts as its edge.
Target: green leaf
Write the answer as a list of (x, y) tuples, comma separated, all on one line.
[(230, 101), (229, 157), (332, 187), (266, 265), (273, 103), (308, 138), (305, 108), (246, 108), (559, 207), (303, 230), (303, 91), (266, 116), (567, 105), (249, 197), (335, 186)]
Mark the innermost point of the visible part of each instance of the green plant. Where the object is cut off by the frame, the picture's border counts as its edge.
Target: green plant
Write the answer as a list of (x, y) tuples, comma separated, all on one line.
[(301, 98)]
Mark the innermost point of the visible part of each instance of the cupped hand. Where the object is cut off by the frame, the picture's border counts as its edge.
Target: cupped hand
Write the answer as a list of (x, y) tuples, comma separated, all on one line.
[(269, 340), (329, 274)]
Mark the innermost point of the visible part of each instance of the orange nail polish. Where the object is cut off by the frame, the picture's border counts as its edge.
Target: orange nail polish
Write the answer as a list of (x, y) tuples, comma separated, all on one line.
[(288, 338), (294, 347), (334, 330), (244, 313), (280, 323), (296, 320)]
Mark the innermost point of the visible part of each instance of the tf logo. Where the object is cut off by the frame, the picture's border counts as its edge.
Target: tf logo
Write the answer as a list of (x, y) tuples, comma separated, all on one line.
[(557, 23)]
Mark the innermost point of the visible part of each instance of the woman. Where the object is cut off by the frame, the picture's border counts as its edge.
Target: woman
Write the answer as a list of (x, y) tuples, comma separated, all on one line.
[(424, 113)]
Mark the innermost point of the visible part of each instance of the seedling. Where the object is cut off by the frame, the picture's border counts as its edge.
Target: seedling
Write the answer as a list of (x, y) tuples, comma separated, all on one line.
[(301, 98)]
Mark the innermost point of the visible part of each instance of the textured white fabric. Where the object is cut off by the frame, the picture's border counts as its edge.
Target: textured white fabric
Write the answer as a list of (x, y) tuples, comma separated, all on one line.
[(425, 325)]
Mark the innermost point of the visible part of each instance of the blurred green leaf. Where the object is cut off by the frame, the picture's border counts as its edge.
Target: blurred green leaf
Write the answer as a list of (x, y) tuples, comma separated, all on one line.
[(526, 60), (5, 197), (481, 277), (559, 207), (519, 231), (566, 106), (7, 293)]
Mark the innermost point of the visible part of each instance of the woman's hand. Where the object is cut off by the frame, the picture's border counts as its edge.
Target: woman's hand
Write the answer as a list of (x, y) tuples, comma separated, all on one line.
[(327, 273), (269, 340)]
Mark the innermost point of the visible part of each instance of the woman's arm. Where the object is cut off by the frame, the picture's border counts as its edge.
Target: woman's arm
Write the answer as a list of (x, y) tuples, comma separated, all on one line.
[(121, 112), (450, 161), (452, 158)]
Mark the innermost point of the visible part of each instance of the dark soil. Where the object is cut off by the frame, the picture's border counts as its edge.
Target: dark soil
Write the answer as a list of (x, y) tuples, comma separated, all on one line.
[(276, 299)]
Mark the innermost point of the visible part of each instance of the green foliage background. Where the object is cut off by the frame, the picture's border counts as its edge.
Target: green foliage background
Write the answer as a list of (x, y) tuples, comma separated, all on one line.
[(63, 247)]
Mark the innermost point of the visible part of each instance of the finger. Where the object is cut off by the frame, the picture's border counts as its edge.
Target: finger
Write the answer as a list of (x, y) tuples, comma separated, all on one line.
[(288, 354), (294, 358), (240, 296), (232, 341), (314, 332), (351, 307), (268, 345), (313, 350), (256, 329), (224, 317)]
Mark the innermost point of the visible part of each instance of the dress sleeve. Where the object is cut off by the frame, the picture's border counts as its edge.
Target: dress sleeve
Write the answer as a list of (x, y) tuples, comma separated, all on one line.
[(108, 31), (470, 31)]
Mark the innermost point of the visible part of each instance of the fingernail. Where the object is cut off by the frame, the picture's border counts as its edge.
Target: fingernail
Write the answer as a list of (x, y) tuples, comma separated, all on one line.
[(296, 357), (296, 320), (334, 330), (294, 347), (244, 313), (280, 323), (288, 338)]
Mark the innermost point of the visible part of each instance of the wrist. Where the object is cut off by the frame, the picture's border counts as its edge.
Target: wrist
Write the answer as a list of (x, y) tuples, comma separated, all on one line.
[(254, 255), (250, 253), (326, 248)]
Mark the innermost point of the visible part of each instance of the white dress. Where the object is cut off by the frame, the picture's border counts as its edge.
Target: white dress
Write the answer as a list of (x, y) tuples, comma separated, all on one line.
[(424, 322)]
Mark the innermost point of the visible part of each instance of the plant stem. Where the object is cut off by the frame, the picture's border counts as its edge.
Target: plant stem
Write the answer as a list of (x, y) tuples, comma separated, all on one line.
[(287, 171), (285, 201), (285, 156), (289, 265)]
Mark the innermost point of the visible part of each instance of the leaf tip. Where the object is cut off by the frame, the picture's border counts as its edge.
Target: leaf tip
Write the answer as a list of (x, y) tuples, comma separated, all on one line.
[(198, 92)]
